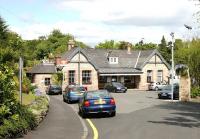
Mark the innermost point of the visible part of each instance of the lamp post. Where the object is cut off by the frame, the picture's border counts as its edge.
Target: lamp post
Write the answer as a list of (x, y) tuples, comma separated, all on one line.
[(79, 65), (189, 33), (60, 68), (172, 68)]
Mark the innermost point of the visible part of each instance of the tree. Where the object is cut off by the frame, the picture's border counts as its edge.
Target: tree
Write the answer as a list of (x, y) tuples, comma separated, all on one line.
[(107, 45), (164, 50), (145, 46), (3, 31)]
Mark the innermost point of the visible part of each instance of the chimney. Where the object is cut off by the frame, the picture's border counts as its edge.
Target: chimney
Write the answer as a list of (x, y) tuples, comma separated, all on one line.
[(71, 44), (57, 60), (129, 48)]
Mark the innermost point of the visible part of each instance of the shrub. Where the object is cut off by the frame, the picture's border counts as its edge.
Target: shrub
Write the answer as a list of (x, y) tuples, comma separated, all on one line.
[(17, 124), (195, 91)]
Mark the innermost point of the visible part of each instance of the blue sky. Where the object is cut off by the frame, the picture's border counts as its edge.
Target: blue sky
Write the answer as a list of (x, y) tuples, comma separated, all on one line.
[(94, 21)]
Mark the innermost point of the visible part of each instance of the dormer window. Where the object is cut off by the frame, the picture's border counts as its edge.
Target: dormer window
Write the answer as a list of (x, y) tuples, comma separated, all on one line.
[(113, 60)]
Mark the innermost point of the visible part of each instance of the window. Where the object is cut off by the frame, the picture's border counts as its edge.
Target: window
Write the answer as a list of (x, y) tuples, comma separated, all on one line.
[(47, 81), (159, 75), (149, 76), (86, 77), (113, 60), (71, 76)]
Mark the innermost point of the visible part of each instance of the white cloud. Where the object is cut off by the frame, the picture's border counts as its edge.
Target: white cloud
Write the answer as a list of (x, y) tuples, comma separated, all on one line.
[(128, 20)]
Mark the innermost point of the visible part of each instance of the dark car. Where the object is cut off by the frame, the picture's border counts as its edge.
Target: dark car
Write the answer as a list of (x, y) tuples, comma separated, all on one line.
[(94, 102), (115, 87), (54, 89), (73, 93), (167, 93)]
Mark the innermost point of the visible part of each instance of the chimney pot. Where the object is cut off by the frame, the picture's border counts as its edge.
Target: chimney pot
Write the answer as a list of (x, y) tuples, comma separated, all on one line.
[(71, 44)]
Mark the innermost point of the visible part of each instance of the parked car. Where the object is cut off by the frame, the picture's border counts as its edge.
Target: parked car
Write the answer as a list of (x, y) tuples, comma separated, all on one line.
[(54, 89), (73, 93), (157, 85), (115, 87), (167, 93), (94, 102)]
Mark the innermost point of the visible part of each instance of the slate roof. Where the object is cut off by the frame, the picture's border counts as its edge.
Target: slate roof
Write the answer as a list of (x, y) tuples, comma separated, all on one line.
[(127, 63), (43, 69)]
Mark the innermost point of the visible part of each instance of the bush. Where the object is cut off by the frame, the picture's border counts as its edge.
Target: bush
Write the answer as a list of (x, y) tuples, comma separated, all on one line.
[(19, 123), (15, 119), (195, 91)]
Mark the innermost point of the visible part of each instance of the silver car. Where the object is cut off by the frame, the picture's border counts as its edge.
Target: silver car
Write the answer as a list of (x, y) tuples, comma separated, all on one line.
[(156, 85)]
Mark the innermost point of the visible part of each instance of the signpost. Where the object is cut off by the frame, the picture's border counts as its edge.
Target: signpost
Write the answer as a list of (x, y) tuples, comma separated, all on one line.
[(20, 79)]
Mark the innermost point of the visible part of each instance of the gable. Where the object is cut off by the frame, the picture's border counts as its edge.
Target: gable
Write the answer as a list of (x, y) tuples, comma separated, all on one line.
[(155, 59), (76, 58)]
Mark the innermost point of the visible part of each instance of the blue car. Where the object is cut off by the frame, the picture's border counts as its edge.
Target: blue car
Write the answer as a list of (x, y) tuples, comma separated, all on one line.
[(73, 93), (94, 102)]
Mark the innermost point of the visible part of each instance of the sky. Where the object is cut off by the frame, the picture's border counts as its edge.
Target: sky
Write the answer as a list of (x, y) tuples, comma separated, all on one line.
[(94, 21)]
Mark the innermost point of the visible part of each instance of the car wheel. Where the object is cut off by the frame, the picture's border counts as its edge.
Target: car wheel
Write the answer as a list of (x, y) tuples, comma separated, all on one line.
[(68, 101), (113, 114), (83, 115), (114, 90), (64, 99), (156, 89)]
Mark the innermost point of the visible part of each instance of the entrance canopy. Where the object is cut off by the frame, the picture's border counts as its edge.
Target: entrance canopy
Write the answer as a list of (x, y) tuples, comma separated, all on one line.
[(119, 72)]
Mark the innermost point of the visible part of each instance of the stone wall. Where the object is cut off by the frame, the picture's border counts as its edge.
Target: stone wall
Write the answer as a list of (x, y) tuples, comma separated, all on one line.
[(184, 89)]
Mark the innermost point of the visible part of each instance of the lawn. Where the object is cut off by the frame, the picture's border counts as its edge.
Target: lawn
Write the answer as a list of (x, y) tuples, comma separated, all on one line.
[(27, 98)]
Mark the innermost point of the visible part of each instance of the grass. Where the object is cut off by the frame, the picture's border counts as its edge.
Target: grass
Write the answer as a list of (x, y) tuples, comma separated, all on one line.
[(197, 99), (27, 98)]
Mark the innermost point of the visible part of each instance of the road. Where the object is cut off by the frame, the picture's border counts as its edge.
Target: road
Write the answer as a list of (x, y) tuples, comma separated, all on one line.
[(140, 115)]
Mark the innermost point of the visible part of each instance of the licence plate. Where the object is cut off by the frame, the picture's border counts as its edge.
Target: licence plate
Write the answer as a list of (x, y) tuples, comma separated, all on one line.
[(99, 102)]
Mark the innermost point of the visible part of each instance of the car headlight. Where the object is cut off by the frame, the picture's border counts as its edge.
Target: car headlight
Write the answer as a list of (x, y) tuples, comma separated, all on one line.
[(118, 88)]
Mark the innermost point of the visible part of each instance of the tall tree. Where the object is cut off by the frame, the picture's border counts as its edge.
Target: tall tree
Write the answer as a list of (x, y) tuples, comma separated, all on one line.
[(3, 31), (165, 50)]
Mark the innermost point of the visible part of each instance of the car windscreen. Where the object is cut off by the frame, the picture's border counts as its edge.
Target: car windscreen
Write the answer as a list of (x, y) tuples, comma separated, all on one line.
[(77, 89), (168, 87), (117, 84), (56, 87), (97, 94)]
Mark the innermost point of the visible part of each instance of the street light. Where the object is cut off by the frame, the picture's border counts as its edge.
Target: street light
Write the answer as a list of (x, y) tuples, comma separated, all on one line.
[(189, 33), (60, 68), (172, 69)]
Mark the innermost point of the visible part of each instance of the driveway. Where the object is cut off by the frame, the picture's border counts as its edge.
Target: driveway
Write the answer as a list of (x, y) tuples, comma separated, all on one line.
[(140, 115), (60, 123)]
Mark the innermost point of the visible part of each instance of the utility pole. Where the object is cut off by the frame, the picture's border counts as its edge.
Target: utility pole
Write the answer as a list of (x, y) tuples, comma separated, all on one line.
[(172, 68), (79, 65), (20, 79)]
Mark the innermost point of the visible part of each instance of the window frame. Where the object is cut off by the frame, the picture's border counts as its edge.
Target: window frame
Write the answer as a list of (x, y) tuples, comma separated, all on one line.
[(86, 77), (160, 76), (47, 81), (71, 78), (149, 78)]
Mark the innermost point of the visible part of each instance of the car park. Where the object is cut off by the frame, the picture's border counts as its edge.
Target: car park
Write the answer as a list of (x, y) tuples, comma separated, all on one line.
[(115, 87), (166, 92), (94, 102), (73, 93), (54, 89), (157, 85)]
